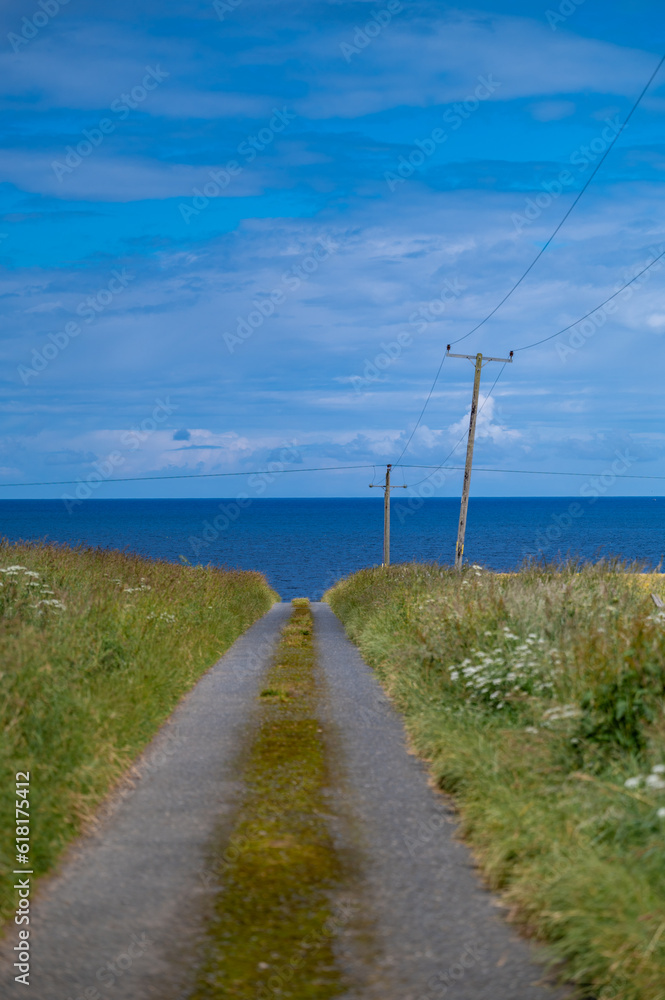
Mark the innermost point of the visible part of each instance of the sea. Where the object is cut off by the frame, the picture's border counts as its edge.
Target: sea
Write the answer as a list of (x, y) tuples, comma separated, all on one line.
[(304, 546)]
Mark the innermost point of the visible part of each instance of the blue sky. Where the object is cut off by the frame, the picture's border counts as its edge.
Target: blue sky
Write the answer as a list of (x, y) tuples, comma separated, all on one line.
[(242, 233)]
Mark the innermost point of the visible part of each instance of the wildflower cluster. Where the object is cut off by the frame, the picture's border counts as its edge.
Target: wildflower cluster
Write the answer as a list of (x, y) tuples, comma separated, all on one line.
[(508, 672), (126, 589), (21, 586), (654, 782), (163, 616), (561, 713)]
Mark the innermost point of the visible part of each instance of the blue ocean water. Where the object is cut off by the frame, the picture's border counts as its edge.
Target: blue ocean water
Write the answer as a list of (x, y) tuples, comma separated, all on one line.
[(304, 545)]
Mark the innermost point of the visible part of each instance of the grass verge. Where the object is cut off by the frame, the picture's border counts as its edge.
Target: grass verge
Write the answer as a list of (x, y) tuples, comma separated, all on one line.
[(538, 698), (97, 648), (275, 920)]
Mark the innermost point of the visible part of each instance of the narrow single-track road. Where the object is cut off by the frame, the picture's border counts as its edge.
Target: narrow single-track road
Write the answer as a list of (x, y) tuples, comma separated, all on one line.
[(126, 916)]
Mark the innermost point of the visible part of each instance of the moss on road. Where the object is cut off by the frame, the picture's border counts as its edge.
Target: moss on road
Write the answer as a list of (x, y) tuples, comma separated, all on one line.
[(275, 918)]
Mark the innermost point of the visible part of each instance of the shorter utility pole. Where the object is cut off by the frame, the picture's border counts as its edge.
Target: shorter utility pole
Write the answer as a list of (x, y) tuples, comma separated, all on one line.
[(386, 512), (461, 530)]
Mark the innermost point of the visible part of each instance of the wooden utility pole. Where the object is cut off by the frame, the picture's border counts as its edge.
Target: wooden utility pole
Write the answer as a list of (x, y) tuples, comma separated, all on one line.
[(461, 530), (386, 512)]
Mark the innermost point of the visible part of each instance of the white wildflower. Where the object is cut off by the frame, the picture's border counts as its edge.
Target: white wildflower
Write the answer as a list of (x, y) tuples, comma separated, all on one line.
[(635, 782), (562, 712), (658, 769), (655, 782), (661, 813)]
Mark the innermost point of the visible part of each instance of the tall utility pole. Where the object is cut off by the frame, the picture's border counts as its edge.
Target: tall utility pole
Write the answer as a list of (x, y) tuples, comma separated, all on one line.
[(461, 530), (386, 512)]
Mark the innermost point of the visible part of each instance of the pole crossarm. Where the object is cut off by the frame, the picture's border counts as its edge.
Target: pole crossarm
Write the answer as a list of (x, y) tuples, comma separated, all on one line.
[(472, 357)]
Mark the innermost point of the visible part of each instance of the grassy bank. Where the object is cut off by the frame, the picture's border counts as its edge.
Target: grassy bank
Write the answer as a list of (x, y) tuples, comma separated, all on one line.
[(96, 649), (538, 699)]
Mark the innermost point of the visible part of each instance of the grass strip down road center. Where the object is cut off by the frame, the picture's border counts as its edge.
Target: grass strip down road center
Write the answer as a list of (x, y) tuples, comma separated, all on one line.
[(275, 916)]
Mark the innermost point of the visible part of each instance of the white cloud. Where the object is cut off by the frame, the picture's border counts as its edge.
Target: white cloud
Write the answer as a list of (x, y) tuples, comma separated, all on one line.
[(406, 63), (656, 321), (486, 426)]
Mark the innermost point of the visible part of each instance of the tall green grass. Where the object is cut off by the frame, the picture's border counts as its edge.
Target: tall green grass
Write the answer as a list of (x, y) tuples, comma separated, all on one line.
[(538, 698), (96, 649)]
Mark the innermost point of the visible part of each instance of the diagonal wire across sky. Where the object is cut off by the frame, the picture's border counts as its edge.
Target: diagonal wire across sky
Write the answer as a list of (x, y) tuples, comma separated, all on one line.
[(533, 263)]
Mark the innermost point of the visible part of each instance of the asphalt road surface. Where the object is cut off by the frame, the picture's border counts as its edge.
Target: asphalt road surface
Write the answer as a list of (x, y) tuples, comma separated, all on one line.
[(125, 915)]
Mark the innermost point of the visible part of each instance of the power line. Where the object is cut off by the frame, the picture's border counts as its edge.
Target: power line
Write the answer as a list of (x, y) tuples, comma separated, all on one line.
[(526, 347), (604, 303), (422, 412), (463, 437), (540, 254), (530, 472), (192, 475), (580, 194), (329, 468)]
